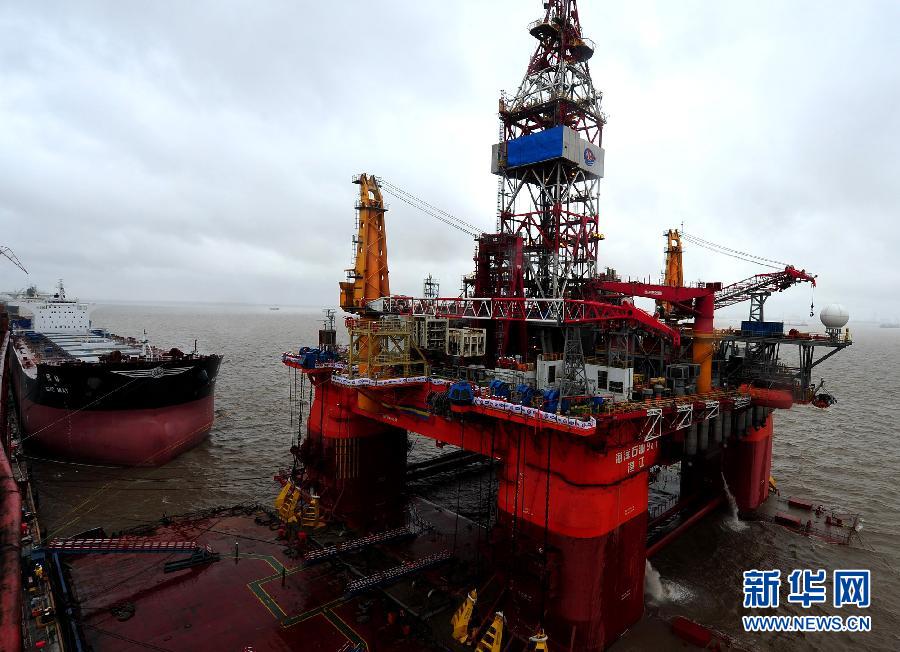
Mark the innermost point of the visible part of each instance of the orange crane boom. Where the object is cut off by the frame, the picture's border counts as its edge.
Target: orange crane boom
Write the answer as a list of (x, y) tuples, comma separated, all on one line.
[(367, 280), (769, 282), (759, 287), (674, 270)]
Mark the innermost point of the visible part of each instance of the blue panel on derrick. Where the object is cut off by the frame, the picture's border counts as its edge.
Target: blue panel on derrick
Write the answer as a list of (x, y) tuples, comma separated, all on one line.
[(534, 148)]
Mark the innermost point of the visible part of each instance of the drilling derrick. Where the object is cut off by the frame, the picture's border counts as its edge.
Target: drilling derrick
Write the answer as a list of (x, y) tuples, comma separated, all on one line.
[(550, 160)]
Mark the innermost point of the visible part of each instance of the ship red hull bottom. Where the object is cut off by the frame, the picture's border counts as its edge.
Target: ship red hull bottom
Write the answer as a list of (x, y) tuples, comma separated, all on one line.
[(148, 437)]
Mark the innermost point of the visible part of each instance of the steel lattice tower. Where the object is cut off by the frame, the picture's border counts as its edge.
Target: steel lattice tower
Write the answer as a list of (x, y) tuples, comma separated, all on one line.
[(549, 197)]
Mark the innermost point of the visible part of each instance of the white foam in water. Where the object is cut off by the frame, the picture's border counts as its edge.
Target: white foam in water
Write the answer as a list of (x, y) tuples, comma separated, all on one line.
[(734, 522), (653, 587), (659, 591)]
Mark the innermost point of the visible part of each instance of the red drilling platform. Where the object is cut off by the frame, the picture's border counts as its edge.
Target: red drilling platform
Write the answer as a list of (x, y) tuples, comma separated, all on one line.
[(547, 368)]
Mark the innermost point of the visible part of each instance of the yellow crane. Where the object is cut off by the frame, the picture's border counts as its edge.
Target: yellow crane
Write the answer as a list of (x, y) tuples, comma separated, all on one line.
[(367, 280), (674, 270)]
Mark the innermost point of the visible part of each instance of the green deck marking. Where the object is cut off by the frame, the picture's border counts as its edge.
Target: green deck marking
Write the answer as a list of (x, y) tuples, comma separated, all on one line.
[(256, 585), (276, 565), (344, 628), (267, 600), (315, 611)]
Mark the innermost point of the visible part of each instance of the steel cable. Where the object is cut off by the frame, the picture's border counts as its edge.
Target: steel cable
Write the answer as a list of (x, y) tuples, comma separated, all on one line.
[(733, 253), (429, 209)]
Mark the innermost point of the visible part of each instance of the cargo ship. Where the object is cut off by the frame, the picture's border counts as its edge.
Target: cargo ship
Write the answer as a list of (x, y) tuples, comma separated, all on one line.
[(85, 394)]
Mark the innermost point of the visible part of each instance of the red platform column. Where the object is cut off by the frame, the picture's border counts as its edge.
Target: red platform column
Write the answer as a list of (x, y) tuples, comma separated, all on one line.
[(748, 465), (578, 571), (357, 465)]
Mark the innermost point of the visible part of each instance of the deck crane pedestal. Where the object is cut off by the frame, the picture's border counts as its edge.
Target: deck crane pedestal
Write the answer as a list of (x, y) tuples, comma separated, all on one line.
[(363, 464)]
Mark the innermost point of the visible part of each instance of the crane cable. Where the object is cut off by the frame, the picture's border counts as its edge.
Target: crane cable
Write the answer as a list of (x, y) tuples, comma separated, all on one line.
[(395, 190), (8, 253), (734, 253), (750, 258), (429, 209)]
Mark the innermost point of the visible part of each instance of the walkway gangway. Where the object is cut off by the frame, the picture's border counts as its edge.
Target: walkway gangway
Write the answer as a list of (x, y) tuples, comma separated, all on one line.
[(394, 573), (355, 545), (121, 545)]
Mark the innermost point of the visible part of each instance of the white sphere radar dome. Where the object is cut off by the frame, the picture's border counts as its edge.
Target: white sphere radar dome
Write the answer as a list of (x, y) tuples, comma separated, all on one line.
[(834, 315)]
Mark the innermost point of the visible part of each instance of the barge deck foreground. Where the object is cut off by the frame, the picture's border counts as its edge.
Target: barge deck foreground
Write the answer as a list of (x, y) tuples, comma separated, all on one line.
[(270, 597)]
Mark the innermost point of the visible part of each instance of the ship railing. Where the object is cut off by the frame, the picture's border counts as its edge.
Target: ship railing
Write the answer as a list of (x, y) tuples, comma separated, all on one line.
[(658, 508)]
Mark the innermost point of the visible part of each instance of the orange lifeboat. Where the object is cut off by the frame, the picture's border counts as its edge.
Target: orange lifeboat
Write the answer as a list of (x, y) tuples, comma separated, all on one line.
[(824, 400), (780, 399)]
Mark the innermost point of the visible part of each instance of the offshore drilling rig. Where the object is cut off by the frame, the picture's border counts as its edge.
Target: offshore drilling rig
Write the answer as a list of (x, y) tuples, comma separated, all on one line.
[(544, 365)]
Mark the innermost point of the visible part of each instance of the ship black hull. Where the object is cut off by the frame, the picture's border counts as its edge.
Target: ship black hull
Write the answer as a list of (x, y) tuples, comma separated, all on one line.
[(122, 385), (125, 413)]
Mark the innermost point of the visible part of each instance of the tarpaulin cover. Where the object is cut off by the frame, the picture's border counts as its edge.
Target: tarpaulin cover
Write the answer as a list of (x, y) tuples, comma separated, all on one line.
[(540, 146)]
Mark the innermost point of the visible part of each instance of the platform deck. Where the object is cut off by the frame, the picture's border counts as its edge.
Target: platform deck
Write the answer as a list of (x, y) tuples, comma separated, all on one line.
[(242, 603)]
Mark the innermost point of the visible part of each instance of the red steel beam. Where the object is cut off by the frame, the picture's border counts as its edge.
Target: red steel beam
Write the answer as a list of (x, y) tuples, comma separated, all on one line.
[(681, 529), (670, 293), (561, 311)]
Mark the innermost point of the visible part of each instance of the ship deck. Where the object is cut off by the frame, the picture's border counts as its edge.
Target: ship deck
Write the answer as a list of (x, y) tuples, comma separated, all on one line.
[(257, 597), (81, 346), (810, 517), (88, 347)]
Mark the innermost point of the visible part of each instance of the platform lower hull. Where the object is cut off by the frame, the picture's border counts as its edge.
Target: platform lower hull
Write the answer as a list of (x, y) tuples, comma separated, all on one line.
[(748, 464), (148, 437), (356, 465), (570, 543), (595, 588)]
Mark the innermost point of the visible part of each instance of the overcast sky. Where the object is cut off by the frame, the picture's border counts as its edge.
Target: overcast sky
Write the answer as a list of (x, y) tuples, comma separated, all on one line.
[(204, 150)]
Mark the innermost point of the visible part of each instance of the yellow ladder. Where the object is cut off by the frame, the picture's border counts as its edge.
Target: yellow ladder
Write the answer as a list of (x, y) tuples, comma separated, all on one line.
[(493, 637), (286, 503), (462, 617), (310, 516)]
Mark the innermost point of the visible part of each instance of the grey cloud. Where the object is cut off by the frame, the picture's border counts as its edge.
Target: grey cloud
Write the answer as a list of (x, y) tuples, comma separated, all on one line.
[(203, 151)]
